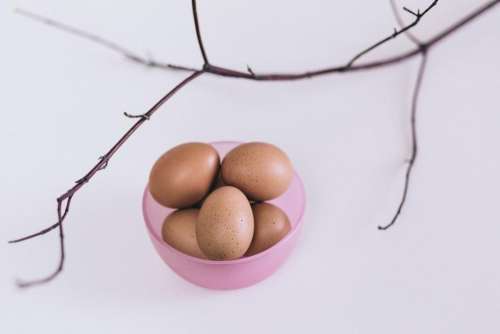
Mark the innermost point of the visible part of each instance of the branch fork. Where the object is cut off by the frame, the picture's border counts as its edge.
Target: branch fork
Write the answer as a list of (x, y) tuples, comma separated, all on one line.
[(418, 15)]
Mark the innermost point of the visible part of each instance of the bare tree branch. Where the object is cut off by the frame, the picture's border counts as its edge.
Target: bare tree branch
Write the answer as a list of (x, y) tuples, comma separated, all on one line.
[(198, 33), (102, 41), (62, 254), (401, 23), (414, 139), (421, 49), (418, 16), (102, 163), (222, 71)]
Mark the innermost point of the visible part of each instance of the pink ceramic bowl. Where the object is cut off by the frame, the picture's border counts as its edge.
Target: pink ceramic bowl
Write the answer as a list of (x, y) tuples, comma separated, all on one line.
[(232, 274)]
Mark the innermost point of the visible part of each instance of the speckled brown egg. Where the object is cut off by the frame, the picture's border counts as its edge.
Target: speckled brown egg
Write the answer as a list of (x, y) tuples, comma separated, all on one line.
[(225, 224), (183, 176), (271, 224), (262, 171), (179, 231)]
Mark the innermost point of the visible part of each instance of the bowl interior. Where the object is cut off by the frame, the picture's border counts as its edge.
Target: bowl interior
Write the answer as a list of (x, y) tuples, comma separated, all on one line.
[(292, 202)]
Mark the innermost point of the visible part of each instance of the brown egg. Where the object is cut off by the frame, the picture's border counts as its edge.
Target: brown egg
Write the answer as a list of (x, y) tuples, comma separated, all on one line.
[(262, 171), (179, 231), (183, 175), (271, 224), (225, 224)]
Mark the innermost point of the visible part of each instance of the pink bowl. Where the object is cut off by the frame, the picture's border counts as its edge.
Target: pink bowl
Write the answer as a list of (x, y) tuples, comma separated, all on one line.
[(232, 274)]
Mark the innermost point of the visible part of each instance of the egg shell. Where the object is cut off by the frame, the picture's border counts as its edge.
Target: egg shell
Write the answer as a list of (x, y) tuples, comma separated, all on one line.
[(271, 225), (183, 176), (262, 171), (179, 231), (225, 224)]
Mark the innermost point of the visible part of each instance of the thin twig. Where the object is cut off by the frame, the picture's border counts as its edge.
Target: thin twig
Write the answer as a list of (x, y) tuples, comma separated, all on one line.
[(418, 16), (50, 228), (365, 66), (62, 253), (250, 71), (105, 158), (146, 117), (102, 41), (41, 232), (105, 165), (221, 71), (414, 140), (461, 23), (226, 72), (61, 215), (68, 195), (198, 34), (401, 23)]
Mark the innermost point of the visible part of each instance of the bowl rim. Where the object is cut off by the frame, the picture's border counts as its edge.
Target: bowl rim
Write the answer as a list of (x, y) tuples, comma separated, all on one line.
[(241, 260)]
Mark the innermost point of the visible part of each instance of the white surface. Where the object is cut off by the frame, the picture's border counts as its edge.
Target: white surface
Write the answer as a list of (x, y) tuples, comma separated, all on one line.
[(436, 271)]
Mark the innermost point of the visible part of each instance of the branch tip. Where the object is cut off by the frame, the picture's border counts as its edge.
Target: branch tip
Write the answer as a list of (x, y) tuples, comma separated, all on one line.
[(414, 141), (143, 116), (249, 69), (417, 14)]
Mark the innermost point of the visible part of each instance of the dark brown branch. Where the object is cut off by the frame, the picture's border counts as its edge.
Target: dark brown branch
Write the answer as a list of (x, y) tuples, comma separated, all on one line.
[(105, 158), (198, 33), (50, 228), (102, 157), (62, 252), (30, 236), (146, 117), (62, 257), (418, 16), (365, 66), (414, 140), (461, 23), (250, 71), (401, 23), (221, 71), (102, 41), (102, 163)]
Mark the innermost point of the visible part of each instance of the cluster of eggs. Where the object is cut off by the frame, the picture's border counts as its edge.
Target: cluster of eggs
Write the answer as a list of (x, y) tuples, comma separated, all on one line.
[(222, 213)]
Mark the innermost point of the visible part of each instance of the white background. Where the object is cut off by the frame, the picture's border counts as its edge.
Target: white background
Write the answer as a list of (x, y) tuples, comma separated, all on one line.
[(62, 98)]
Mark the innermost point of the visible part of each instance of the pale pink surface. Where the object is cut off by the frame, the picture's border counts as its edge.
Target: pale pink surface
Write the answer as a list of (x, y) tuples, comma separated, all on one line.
[(228, 274)]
